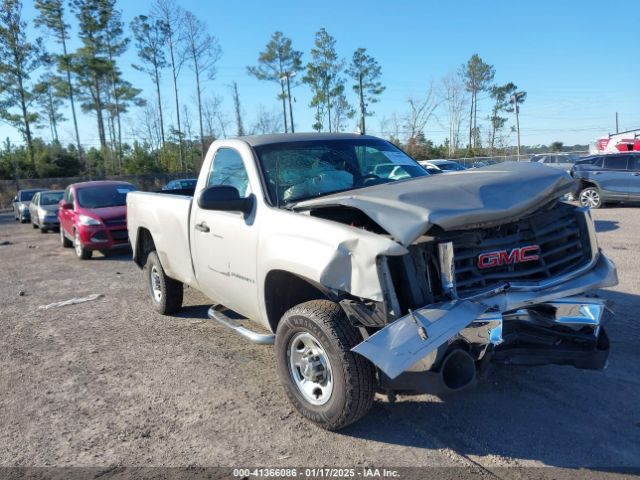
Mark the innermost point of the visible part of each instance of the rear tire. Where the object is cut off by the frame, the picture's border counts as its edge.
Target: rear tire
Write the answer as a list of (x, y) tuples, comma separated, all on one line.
[(64, 241), (166, 293), (590, 197), (81, 252), (324, 380)]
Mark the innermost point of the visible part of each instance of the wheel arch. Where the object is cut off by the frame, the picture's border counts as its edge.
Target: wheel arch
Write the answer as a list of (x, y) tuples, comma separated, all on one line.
[(144, 245), (284, 290)]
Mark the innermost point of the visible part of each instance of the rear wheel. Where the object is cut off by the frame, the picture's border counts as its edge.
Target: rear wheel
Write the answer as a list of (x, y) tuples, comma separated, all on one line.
[(324, 380), (590, 197), (81, 252), (64, 241), (166, 293)]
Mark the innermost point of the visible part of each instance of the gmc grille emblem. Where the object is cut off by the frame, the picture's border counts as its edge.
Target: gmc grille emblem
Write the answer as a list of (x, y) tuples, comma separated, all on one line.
[(504, 257)]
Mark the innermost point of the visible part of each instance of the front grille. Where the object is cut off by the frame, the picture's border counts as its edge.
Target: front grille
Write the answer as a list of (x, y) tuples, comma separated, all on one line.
[(115, 222), (120, 235), (560, 233)]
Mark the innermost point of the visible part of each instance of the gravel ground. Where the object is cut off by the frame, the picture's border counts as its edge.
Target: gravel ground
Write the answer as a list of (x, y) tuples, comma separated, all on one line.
[(109, 382)]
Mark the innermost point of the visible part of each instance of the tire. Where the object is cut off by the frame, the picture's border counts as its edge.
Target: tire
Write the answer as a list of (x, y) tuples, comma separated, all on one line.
[(165, 292), (352, 377), (64, 241), (43, 230), (81, 252), (590, 197)]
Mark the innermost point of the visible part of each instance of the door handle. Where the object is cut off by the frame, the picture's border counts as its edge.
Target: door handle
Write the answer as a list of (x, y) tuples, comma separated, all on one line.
[(202, 227), (637, 174)]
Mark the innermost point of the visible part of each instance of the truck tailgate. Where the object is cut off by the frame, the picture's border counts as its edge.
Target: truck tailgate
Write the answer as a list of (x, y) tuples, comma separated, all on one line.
[(166, 217)]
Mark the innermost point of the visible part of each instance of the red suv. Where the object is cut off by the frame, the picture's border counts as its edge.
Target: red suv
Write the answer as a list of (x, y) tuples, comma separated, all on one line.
[(93, 216)]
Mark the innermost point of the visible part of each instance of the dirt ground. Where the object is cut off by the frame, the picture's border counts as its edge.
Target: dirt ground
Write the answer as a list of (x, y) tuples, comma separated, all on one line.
[(110, 382)]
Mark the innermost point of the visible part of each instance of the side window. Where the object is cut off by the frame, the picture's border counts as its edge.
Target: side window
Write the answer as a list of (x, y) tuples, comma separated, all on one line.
[(634, 163), (598, 162), (615, 163), (227, 168)]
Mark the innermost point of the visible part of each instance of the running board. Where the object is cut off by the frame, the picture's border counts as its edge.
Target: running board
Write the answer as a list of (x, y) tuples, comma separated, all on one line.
[(233, 324)]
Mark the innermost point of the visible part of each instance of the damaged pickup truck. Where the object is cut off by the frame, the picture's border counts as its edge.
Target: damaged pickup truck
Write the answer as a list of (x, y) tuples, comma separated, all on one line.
[(378, 279)]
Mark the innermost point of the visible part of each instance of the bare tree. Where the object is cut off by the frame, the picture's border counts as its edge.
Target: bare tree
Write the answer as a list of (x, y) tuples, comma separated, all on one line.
[(421, 111), (455, 99), (202, 52), (266, 122), (170, 15)]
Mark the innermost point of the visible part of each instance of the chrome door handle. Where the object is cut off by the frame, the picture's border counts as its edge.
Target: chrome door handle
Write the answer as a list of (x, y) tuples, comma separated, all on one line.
[(202, 227)]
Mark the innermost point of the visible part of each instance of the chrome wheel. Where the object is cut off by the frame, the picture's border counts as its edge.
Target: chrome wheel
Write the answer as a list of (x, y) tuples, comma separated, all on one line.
[(156, 285), (310, 369), (590, 198), (77, 245)]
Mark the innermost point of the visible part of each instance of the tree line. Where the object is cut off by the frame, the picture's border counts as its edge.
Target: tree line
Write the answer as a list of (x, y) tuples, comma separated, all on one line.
[(41, 82)]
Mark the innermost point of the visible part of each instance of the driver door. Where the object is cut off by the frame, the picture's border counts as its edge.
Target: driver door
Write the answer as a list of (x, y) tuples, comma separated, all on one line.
[(224, 243)]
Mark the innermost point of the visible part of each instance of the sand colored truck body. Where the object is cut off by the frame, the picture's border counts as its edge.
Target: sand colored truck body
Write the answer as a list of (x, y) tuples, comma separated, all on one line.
[(400, 258)]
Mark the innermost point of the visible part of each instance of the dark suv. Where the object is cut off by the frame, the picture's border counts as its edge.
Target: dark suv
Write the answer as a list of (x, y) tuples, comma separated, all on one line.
[(608, 178)]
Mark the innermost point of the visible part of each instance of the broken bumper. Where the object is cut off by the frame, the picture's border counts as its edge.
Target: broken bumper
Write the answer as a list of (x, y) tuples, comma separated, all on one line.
[(520, 326)]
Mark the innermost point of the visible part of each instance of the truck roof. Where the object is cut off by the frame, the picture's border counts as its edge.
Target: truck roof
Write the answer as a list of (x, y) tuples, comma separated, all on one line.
[(257, 140)]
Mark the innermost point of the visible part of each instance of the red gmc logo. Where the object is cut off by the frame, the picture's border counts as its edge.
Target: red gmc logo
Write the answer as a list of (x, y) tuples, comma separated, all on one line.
[(503, 257)]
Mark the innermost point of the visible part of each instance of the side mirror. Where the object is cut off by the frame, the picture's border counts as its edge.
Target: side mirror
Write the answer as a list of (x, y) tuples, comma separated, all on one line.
[(15, 199), (66, 205), (225, 198)]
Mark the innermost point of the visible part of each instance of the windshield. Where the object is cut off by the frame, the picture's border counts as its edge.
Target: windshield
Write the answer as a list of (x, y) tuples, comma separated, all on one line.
[(27, 196), (104, 196), (298, 171), (50, 198)]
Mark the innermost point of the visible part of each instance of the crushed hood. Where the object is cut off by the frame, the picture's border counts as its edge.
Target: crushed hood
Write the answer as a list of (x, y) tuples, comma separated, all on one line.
[(498, 193)]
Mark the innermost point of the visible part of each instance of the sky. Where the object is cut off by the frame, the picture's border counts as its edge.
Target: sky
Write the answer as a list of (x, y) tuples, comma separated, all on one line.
[(573, 58)]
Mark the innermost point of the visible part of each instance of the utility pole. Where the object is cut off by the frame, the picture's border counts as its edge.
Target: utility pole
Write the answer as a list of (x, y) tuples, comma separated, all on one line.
[(287, 77)]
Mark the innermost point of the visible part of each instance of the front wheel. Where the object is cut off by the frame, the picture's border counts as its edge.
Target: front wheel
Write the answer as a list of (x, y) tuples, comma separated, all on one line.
[(324, 380), (64, 241), (590, 197), (81, 252), (166, 293)]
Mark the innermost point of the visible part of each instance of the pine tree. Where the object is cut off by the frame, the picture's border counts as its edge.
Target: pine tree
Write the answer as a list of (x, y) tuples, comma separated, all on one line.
[(366, 72), (51, 17), (279, 62), (202, 53), (19, 58)]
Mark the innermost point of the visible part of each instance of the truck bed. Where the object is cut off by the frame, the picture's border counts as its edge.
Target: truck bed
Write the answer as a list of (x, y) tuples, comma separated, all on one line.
[(166, 217)]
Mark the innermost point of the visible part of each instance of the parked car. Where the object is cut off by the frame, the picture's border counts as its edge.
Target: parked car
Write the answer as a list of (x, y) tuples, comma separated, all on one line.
[(561, 160), (447, 166), (21, 204), (429, 167), (181, 184), (444, 166), (393, 171), (368, 283), (93, 216), (44, 210), (608, 178)]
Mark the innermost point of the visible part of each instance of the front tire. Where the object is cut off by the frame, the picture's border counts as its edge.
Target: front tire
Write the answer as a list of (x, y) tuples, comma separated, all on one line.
[(590, 197), (81, 252), (324, 380), (166, 293), (64, 241)]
